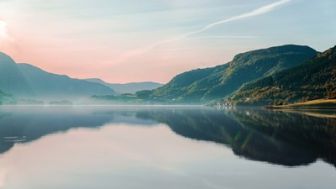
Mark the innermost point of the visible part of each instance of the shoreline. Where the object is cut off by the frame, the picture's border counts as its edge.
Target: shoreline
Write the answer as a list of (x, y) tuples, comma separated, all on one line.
[(317, 104)]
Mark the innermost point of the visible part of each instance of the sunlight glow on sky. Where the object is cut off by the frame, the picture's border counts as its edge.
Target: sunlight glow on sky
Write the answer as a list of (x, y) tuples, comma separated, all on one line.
[(3, 30), (153, 40)]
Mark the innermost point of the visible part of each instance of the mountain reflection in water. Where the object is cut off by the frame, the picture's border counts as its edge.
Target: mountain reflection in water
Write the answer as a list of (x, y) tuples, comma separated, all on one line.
[(283, 138)]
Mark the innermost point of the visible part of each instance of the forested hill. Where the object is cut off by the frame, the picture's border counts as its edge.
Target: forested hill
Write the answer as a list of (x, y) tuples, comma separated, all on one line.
[(204, 85), (315, 79)]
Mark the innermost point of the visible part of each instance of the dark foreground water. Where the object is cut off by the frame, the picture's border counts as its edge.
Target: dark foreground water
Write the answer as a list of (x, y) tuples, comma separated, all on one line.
[(165, 147)]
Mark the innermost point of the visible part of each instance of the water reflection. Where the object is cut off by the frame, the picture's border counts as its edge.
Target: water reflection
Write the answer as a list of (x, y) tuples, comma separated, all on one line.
[(284, 138)]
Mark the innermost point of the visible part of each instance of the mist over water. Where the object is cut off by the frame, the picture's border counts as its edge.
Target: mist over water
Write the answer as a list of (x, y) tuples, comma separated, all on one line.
[(44, 147)]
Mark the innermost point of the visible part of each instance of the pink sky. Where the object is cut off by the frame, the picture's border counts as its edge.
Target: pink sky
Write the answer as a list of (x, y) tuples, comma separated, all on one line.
[(127, 41), (79, 61), (90, 57)]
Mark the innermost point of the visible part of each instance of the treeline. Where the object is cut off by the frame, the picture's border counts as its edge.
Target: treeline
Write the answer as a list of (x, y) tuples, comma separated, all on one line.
[(316, 79)]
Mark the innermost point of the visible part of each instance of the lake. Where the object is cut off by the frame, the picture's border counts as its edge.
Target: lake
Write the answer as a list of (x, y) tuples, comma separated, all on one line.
[(175, 147)]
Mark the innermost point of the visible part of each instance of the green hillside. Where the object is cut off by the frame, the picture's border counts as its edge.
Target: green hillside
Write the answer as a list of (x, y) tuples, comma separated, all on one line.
[(315, 79), (204, 85)]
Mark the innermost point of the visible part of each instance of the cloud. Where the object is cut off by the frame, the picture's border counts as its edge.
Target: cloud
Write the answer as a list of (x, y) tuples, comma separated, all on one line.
[(256, 12), (227, 37)]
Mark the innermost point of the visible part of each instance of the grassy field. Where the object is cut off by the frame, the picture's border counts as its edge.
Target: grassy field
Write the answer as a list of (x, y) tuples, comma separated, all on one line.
[(313, 104)]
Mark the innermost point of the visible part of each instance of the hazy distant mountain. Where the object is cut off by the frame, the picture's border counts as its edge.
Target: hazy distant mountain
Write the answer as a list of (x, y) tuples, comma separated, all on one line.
[(315, 79), (5, 98), (128, 87), (203, 85), (24, 80), (11, 78)]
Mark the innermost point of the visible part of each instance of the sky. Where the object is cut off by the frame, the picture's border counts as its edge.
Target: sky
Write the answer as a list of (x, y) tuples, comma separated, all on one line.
[(153, 40)]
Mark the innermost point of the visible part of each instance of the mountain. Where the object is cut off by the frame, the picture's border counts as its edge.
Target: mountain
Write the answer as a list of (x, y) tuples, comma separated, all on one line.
[(316, 79), (128, 87), (12, 79), (204, 85), (6, 98), (24, 80)]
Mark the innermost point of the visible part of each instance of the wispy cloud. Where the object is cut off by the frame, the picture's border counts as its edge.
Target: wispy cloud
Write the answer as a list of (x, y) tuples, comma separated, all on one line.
[(227, 37), (256, 12)]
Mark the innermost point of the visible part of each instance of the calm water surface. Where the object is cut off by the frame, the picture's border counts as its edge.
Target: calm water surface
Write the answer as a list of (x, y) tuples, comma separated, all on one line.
[(165, 147)]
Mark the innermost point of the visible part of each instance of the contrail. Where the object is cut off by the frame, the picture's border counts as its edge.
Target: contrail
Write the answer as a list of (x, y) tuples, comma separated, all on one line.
[(259, 11), (256, 12)]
